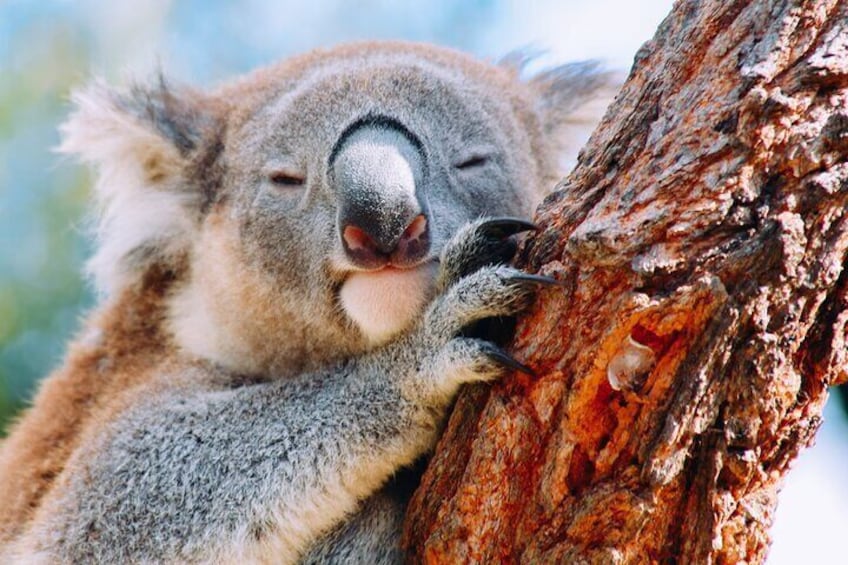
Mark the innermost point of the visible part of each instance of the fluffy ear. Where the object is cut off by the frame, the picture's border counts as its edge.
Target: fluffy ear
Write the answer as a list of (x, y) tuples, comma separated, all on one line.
[(142, 142), (570, 100)]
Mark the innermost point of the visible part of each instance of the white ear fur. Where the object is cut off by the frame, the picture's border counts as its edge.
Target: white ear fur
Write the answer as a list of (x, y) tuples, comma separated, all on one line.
[(573, 130), (143, 204), (570, 99)]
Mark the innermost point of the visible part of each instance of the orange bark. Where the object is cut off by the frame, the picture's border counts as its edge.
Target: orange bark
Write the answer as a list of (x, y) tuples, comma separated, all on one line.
[(702, 243)]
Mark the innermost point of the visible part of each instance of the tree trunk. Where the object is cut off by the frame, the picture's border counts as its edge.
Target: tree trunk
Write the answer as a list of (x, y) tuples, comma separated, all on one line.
[(701, 242)]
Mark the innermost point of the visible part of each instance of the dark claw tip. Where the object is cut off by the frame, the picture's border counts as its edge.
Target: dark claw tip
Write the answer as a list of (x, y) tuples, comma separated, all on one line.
[(538, 279), (496, 353), (505, 227)]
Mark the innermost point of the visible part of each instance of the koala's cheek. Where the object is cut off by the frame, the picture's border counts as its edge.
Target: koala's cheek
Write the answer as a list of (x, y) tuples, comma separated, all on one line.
[(384, 303)]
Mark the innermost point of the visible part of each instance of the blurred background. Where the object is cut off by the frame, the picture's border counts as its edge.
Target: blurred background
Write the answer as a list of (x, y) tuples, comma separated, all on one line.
[(49, 46)]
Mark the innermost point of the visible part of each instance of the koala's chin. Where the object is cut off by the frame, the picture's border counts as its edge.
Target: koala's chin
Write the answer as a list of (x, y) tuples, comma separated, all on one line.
[(384, 303)]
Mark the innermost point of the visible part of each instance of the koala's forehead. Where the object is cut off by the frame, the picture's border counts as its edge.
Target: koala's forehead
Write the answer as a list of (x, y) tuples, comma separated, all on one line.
[(312, 110)]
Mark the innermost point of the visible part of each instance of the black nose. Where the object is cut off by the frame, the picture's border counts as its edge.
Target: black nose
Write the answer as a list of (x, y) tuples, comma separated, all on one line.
[(377, 171), (368, 244)]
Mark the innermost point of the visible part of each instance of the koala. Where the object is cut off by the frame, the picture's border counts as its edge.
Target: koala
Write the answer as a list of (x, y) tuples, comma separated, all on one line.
[(290, 268)]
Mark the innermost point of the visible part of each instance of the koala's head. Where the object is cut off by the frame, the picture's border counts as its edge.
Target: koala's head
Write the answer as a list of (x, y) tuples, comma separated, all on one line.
[(302, 209)]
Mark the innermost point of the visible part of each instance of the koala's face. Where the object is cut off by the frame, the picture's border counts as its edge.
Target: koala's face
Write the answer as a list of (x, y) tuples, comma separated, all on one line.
[(301, 210), (347, 185)]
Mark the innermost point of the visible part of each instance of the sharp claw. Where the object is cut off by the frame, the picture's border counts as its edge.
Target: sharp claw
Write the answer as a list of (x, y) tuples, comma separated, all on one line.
[(538, 279), (496, 353), (505, 227)]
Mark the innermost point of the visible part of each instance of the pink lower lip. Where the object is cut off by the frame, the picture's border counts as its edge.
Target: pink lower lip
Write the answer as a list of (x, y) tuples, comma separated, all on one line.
[(391, 267), (388, 267)]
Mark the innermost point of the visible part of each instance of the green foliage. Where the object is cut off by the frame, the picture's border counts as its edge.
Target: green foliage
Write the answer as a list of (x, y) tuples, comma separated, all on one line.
[(42, 202)]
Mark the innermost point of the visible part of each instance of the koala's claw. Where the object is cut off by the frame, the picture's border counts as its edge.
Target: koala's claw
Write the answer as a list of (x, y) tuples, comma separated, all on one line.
[(500, 356), (460, 355), (479, 244), (486, 293), (537, 279), (506, 226)]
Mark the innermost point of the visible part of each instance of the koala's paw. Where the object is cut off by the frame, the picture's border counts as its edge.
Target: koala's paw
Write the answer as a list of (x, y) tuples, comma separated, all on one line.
[(484, 242), (454, 358)]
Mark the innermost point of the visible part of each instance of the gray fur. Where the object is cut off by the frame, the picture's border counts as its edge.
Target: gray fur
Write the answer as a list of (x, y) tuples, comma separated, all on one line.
[(371, 536), (270, 435), (184, 474)]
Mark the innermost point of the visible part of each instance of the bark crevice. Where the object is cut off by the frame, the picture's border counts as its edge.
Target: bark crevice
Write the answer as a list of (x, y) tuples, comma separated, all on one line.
[(701, 242)]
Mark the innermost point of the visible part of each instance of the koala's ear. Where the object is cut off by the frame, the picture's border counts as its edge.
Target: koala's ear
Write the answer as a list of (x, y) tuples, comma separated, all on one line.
[(142, 143), (570, 100)]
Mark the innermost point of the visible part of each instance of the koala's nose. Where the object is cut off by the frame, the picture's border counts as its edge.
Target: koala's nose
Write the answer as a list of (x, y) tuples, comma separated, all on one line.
[(376, 172), (372, 250)]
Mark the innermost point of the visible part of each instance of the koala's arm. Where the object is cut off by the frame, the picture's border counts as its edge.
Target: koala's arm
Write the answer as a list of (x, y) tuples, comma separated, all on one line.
[(262, 471)]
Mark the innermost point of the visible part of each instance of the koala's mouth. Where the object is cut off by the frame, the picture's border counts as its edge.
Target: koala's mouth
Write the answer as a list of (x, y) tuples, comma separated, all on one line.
[(389, 266)]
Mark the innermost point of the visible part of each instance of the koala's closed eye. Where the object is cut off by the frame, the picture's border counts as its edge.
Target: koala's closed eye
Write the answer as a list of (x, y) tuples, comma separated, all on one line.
[(472, 162), (286, 179)]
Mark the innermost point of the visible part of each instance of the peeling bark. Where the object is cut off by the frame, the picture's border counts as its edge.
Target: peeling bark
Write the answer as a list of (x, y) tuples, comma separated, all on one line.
[(701, 242)]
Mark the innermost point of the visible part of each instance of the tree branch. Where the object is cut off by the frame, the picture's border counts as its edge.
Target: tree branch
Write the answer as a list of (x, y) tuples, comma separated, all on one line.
[(701, 241)]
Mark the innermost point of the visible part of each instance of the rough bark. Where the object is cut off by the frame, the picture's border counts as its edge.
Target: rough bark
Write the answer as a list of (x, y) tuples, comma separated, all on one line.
[(701, 242)]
